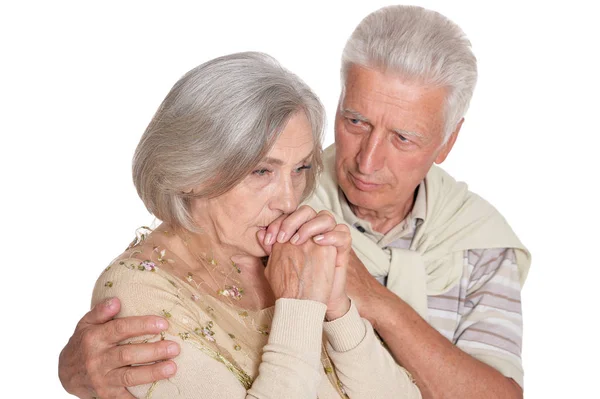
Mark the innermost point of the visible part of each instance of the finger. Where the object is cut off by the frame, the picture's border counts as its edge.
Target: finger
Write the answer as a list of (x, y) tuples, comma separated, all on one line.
[(260, 235), (126, 355), (322, 223), (294, 221), (118, 330), (101, 313), (139, 375), (339, 237), (273, 230)]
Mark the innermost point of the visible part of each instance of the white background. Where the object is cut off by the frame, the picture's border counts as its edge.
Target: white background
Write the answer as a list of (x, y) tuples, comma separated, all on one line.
[(79, 82)]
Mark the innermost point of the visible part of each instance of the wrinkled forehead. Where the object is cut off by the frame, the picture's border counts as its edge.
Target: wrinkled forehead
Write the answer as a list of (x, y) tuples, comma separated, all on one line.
[(362, 81), (389, 99), (295, 143)]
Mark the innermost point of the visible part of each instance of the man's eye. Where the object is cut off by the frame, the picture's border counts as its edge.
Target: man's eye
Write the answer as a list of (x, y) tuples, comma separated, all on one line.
[(402, 138), (260, 172), (354, 121)]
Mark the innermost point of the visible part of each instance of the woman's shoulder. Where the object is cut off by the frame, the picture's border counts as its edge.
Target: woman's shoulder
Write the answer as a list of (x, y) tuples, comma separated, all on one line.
[(141, 276), (129, 279), (144, 262)]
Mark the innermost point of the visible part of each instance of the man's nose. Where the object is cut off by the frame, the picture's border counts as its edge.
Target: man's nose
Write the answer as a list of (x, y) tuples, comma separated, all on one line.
[(371, 155)]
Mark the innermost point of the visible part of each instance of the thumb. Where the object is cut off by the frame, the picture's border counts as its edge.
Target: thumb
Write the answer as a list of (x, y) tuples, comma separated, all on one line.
[(102, 312)]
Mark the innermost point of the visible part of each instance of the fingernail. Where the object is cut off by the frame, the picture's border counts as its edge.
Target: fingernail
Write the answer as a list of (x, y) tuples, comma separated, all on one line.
[(281, 236), (318, 238), (108, 303), (169, 368), (269, 239), (295, 238), (172, 349), (162, 324)]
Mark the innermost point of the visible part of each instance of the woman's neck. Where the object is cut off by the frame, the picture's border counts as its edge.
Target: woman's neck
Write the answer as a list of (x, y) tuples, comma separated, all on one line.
[(206, 258)]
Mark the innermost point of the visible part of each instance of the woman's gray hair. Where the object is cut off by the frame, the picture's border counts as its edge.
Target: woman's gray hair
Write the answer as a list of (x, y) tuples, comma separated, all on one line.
[(215, 125), (420, 45)]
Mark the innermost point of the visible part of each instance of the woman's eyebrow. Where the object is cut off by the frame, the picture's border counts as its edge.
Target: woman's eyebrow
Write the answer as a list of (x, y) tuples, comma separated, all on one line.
[(279, 162)]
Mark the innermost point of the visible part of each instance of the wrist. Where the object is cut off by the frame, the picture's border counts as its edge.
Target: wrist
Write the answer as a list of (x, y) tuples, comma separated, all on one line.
[(338, 310), (373, 303)]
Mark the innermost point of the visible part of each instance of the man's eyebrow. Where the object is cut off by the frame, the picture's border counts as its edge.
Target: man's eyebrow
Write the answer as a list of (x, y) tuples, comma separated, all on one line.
[(407, 133), (356, 114), (401, 132)]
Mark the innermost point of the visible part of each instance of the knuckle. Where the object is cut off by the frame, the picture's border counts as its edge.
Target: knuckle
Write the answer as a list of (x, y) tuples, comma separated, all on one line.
[(90, 365), (306, 208), (343, 228), (120, 326), (125, 355), (326, 213), (128, 377), (89, 338)]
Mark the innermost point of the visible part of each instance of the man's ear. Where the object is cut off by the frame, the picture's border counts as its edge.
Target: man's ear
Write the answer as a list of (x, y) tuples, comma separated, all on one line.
[(441, 157)]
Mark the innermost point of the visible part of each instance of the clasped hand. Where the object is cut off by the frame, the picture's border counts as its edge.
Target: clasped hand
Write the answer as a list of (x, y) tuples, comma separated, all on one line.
[(308, 258)]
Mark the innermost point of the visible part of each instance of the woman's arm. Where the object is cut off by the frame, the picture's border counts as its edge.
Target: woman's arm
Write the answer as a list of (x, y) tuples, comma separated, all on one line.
[(363, 365), (290, 365)]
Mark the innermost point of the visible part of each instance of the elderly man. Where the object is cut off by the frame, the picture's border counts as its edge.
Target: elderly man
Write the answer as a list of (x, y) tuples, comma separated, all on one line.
[(438, 271)]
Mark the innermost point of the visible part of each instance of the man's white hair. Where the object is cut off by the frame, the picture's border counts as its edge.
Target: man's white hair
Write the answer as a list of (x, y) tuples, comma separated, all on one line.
[(420, 45)]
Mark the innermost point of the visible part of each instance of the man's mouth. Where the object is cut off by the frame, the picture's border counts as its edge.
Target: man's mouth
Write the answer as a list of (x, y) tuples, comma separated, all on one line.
[(363, 185)]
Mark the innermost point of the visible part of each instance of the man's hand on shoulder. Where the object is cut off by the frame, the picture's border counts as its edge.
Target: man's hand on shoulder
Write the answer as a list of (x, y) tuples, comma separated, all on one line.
[(92, 364)]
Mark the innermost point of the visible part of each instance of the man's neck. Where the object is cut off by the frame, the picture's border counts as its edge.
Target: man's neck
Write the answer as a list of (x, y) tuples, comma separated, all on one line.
[(382, 221)]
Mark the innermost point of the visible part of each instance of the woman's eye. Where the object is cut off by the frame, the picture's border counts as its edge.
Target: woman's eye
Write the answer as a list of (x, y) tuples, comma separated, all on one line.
[(303, 167), (260, 172)]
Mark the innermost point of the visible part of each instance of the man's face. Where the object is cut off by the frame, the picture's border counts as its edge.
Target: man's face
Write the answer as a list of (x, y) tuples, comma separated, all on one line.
[(388, 133)]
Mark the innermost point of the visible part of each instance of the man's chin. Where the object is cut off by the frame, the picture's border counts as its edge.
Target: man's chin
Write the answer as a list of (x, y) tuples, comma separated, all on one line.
[(357, 198)]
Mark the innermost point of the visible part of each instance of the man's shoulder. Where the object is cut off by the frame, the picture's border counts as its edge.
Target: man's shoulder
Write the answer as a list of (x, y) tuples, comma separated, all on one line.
[(447, 197)]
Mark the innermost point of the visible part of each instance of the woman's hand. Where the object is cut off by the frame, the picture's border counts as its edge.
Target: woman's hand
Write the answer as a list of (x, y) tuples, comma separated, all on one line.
[(304, 224), (304, 271), (340, 238)]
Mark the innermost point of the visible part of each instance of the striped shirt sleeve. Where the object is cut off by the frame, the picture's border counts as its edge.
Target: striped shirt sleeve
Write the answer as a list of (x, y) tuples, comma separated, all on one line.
[(490, 325)]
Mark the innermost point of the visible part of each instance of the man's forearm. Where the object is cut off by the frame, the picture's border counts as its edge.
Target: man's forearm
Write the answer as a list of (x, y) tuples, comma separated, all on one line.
[(440, 369)]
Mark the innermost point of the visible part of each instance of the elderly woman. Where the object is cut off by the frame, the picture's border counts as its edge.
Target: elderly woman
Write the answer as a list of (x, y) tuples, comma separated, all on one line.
[(235, 146)]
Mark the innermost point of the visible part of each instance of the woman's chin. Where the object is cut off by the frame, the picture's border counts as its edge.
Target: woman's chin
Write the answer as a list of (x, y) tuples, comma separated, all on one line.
[(259, 252)]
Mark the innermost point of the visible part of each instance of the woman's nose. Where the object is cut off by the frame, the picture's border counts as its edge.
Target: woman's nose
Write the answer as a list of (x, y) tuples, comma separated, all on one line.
[(285, 199)]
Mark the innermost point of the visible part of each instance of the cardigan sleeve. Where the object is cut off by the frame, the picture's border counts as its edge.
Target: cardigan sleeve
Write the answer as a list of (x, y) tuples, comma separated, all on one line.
[(364, 366)]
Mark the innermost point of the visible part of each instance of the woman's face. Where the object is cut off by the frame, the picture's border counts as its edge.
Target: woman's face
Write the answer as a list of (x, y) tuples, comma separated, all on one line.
[(274, 187)]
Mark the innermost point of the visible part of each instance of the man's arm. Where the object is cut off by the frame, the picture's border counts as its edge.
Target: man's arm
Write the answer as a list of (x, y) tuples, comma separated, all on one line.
[(93, 365), (440, 368)]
